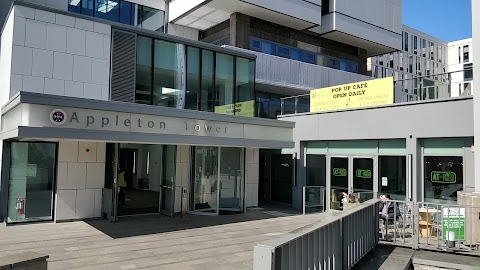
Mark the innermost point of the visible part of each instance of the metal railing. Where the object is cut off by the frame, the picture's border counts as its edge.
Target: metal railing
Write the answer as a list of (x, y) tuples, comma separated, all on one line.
[(434, 226), (338, 242), (313, 199), (432, 87)]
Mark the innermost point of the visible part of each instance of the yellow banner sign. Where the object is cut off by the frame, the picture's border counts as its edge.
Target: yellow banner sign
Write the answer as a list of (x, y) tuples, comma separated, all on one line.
[(353, 95), (246, 108)]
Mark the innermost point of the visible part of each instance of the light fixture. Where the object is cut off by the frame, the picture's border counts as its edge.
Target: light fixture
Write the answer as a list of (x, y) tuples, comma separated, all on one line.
[(148, 162), (134, 162)]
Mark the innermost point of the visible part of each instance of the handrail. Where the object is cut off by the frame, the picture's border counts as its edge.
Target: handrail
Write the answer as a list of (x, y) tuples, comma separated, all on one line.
[(337, 242)]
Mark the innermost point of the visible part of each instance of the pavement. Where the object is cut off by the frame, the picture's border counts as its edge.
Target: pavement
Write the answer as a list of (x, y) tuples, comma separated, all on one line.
[(154, 242)]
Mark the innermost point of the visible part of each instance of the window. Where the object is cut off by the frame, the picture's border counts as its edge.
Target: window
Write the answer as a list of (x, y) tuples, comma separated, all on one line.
[(32, 177), (468, 72), (283, 52), (415, 40), (224, 84), (207, 97), (120, 11), (271, 48), (107, 9), (405, 41), (443, 178), (316, 170), (244, 87), (465, 53), (179, 76), (459, 55), (268, 48), (193, 79), (392, 176), (143, 84), (167, 71)]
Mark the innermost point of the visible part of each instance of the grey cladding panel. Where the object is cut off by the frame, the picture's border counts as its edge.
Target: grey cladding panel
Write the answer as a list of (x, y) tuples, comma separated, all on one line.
[(123, 66)]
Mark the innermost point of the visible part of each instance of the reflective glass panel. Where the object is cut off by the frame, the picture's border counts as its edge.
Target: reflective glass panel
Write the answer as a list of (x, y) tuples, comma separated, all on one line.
[(193, 79), (230, 178), (245, 81), (207, 99), (224, 83), (168, 80), (32, 174), (143, 88)]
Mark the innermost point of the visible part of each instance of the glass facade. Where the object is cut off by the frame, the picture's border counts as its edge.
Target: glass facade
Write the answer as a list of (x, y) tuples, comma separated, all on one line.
[(443, 178), (392, 176), (121, 11), (185, 77), (31, 184)]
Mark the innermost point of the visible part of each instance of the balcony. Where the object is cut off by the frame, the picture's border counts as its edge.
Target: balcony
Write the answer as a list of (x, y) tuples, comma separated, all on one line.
[(435, 87), (203, 14), (290, 77)]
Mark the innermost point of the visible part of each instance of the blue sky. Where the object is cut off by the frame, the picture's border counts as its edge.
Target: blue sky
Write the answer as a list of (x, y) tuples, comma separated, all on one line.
[(448, 20)]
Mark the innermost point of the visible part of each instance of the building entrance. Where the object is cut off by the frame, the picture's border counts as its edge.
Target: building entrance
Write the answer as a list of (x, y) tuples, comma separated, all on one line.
[(351, 175), (217, 183), (145, 177)]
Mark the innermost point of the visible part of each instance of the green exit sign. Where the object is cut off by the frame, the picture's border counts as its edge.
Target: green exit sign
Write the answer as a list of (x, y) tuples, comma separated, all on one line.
[(339, 172), (443, 177), (364, 173)]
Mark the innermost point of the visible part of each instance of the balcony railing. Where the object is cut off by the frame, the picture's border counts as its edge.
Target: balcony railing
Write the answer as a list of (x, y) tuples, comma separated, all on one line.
[(439, 86)]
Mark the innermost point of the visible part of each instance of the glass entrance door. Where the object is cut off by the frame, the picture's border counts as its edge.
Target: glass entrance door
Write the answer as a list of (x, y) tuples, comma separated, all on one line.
[(231, 175), (206, 181), (167, 187), (351, 175), (362, 178), (339, 168)]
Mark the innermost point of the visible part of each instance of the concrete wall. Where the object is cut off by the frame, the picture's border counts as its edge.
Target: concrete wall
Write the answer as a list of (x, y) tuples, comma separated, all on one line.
[(80, 179), (6, 58), (251, 176), (60, 55), (420, 119), (183, 31), (476, 82)]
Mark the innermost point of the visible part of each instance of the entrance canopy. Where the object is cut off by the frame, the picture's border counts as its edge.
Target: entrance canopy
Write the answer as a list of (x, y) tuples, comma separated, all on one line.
[(32, 116)]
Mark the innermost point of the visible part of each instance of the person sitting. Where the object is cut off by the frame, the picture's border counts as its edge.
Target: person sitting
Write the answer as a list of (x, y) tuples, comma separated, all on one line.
[(390, 210)]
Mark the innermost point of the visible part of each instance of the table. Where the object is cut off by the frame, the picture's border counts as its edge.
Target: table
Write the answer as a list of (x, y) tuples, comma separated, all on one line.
[(425, 223)]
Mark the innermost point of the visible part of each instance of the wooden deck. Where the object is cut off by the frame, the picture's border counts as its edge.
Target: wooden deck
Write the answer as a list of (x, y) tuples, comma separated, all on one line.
[(152, 242)]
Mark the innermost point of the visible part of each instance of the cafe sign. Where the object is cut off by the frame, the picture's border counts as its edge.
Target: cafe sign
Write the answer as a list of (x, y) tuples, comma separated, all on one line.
[(447, 177), (354, 95)]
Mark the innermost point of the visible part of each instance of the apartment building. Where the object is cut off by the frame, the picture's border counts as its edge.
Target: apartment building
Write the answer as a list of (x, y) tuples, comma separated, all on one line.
[(460, 65)]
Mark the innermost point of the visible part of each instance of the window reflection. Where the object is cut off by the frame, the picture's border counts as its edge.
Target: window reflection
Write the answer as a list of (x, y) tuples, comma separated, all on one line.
[(443, 178), (121, 11), (174, 75)]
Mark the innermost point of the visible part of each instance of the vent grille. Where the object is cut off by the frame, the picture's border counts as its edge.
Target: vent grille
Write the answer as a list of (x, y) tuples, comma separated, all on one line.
[(123, 66)]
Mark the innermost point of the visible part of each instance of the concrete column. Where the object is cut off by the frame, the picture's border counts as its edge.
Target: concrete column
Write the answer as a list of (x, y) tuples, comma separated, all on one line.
[(362, 61), (240, 30), (414, 149), (476, 86)]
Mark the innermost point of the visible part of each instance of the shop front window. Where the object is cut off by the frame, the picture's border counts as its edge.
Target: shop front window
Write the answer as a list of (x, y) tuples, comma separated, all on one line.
[(31, 183), (443, 178), (392, 176)]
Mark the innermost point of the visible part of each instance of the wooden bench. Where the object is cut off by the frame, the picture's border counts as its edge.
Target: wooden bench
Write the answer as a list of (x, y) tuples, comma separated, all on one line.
[(24, 261)]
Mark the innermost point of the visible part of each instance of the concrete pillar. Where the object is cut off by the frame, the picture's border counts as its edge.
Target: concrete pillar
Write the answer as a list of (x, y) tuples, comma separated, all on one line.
[(476, 86), (240, 30), (414, 152), (362, 61)]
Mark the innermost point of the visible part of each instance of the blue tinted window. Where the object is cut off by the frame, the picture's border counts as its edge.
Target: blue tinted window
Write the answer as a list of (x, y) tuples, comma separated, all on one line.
[(126, 12), (87, 7), (75, 6), (256, 45), (107, 9), (344, 65), (268, 48), (284, 52), (310, 58), (296, 54)]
